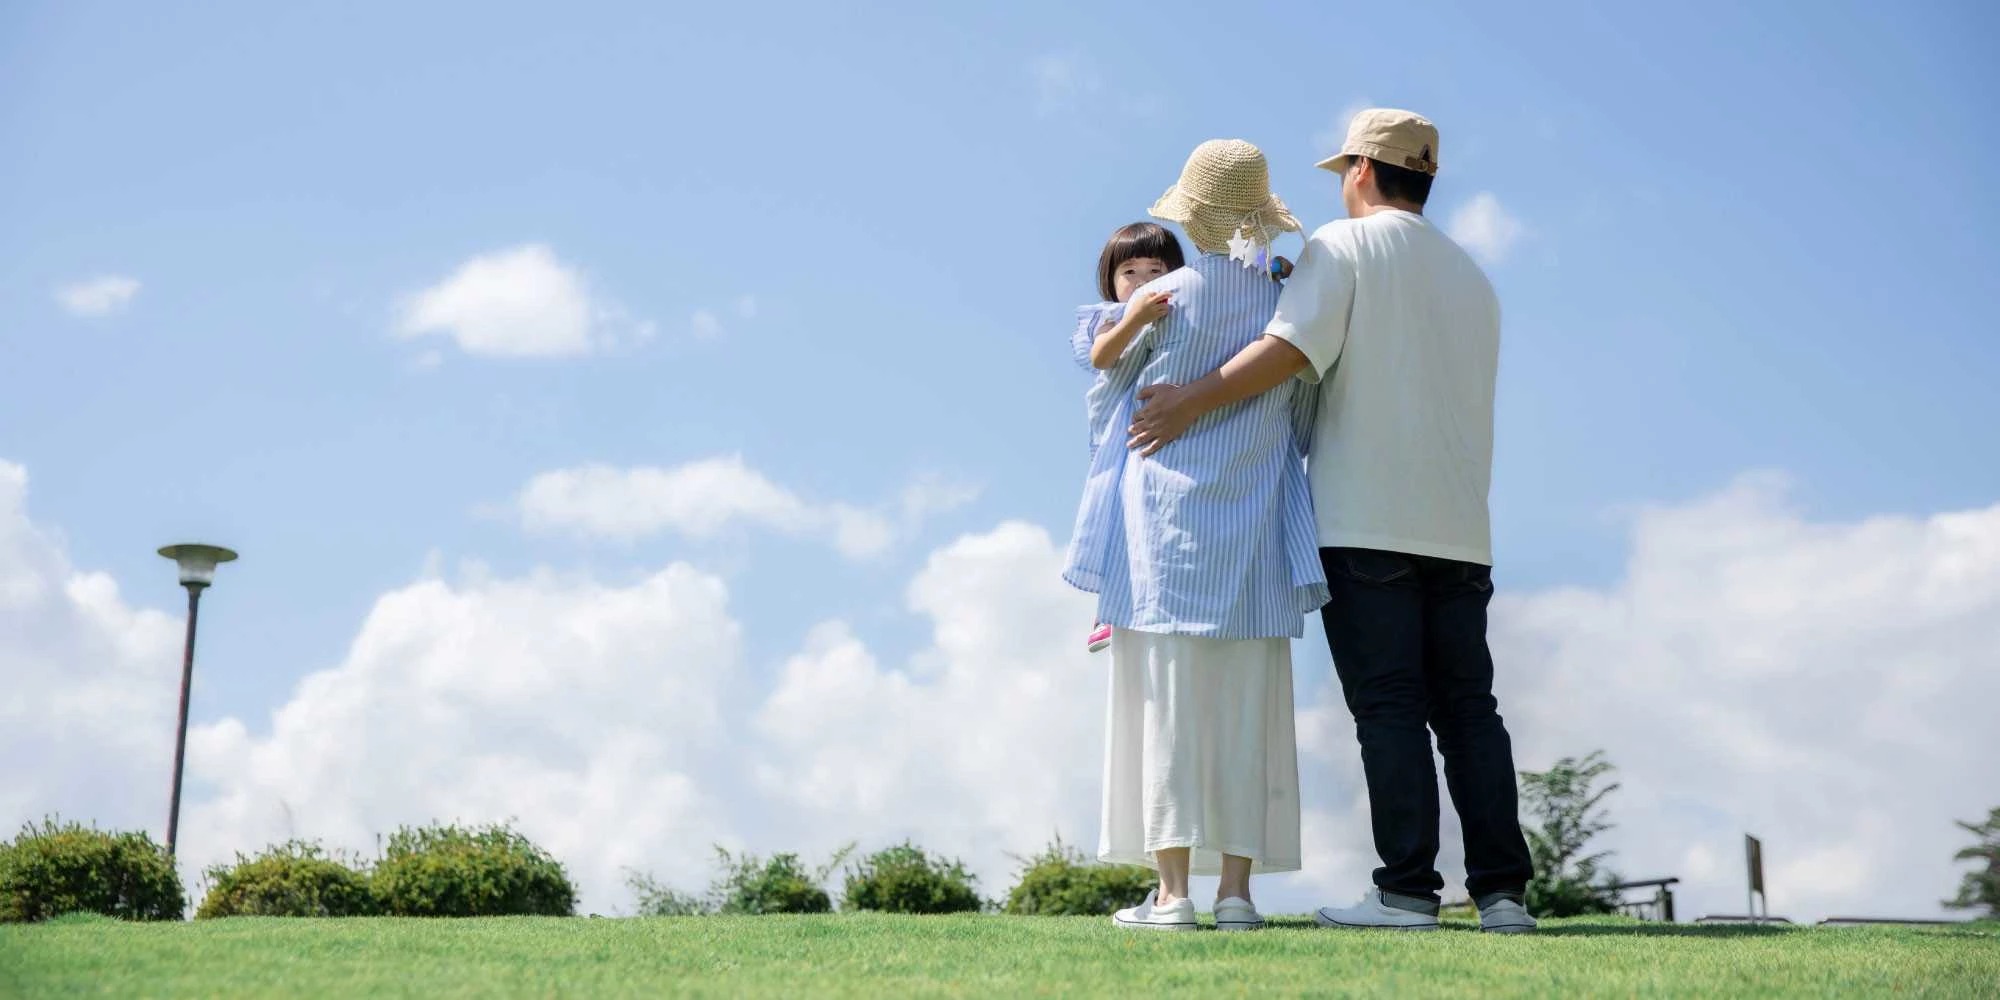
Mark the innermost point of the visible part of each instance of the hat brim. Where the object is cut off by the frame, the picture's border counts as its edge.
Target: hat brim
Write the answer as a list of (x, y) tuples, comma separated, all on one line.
[(1337, 164), (1174, 206), (1378, 153)]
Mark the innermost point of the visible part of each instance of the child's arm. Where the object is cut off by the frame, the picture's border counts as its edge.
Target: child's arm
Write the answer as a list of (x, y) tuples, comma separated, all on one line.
[(1090, 320), (1112, 341)]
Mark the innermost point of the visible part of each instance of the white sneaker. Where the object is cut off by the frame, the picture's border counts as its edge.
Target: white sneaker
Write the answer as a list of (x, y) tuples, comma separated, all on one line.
[(1175, 916), (1505, 916), (1373, 912), (1237, 914)]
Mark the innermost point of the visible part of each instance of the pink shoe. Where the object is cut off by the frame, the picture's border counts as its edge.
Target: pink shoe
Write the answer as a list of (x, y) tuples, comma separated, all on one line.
[(1100, 638)]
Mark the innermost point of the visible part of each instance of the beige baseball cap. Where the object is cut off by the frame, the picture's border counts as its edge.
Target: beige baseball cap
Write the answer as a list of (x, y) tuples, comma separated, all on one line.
[(1398, 138)]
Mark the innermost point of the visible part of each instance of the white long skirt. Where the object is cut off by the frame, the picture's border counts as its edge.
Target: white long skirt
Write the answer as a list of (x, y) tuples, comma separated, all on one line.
[(1199, 752)]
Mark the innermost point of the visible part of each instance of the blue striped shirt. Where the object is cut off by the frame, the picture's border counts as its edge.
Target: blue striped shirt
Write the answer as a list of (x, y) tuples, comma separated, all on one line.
[(1213, 535), (1099, 402)]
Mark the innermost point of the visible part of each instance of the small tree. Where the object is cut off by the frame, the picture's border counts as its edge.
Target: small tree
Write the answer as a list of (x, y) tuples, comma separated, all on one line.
[(903, 879), (1564, 801), (1061, 882), (1981, 888)]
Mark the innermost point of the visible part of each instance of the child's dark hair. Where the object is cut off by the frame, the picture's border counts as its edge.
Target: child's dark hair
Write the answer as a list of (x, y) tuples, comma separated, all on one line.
[(1140, 239)]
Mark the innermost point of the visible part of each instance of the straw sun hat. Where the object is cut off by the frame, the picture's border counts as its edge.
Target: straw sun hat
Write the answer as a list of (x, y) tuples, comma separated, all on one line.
[(1224, 197)]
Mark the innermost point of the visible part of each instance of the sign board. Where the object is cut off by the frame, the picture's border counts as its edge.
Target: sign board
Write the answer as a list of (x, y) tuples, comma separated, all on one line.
[(1754, 850)]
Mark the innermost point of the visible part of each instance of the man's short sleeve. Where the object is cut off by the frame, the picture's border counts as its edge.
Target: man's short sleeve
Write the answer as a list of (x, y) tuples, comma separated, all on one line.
[(1314, 307)]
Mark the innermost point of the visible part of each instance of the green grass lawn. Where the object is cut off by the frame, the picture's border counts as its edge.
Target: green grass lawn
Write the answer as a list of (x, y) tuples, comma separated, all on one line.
[(861, 954)]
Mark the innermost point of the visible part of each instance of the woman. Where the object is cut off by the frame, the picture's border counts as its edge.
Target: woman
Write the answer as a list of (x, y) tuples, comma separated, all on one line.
[(1203, 558)]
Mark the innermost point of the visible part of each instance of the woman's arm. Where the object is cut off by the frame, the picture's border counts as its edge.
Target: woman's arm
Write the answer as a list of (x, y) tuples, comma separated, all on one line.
[(1112, 341)]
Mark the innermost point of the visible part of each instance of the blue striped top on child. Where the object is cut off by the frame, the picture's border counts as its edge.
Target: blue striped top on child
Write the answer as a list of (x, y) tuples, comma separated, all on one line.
[(1098, 402), (1212, 535)]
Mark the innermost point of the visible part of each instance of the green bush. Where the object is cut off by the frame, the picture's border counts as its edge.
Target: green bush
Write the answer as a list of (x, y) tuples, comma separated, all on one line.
[(1061, 882), (902, 879), (293, 879), (656, 899), (451, 871), (59, 868), (750, 884)]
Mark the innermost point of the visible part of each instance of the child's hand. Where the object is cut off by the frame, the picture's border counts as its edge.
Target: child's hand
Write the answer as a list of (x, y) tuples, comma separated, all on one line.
[(1280, 269), (1149, 307)]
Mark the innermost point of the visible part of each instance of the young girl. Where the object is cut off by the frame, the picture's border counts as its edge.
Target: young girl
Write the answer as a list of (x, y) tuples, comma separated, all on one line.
[(1134, 255)]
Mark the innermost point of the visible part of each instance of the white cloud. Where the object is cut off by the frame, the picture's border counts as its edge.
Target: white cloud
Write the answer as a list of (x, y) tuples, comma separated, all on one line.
[(935, 494), (1823, 685), (98, 296), (1063, 80), (1826, 687), (591, 713), (705, 324), (705, 498), (1485, 228), (87, 683), (985, 743), (518, 303)]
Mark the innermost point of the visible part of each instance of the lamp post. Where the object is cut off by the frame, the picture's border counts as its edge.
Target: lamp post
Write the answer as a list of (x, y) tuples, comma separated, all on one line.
[(197, 565)]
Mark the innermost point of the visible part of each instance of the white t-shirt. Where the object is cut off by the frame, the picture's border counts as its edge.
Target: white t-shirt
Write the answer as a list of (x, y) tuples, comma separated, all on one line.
[(1405, 330)]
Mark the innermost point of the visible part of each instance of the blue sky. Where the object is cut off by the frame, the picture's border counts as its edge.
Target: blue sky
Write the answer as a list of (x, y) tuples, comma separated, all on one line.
[(1745, 237)]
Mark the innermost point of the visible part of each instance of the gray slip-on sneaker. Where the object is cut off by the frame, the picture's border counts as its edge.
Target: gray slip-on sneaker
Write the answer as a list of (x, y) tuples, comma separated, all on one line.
[(1503, 915)]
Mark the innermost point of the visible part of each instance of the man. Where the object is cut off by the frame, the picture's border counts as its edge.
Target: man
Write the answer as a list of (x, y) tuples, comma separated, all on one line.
[(1404, 329)]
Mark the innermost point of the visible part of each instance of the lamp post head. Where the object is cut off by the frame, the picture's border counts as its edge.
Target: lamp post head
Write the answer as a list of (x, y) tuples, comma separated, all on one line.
[(198, 562)]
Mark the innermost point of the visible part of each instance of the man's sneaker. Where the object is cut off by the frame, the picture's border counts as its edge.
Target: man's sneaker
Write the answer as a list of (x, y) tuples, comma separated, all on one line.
[(1175, 916), (1100, 638), (1236, 914), (1504, 915), (1376, 911)]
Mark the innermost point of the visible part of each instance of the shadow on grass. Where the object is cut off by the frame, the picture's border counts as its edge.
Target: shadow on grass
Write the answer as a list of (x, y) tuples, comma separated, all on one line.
[(1668, 930), (1633, 929)]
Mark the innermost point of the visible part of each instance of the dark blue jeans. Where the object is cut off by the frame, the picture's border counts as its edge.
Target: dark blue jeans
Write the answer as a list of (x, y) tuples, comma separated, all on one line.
[(1408, 635)]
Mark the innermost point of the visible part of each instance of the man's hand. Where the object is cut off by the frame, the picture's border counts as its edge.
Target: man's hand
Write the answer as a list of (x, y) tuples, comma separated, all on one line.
[(1149, 307), (1163, 416), (1167, 411)]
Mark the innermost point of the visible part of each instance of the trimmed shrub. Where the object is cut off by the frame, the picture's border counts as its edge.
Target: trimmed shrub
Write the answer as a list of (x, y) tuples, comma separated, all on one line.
[(750, 884), (903, 879), (293, 879), (60, 868), (453, 871), (1061, 882)]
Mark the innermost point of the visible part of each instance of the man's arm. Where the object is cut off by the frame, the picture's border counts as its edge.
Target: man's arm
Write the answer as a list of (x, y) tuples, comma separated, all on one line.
[(1304, 338), (1169, 410)]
